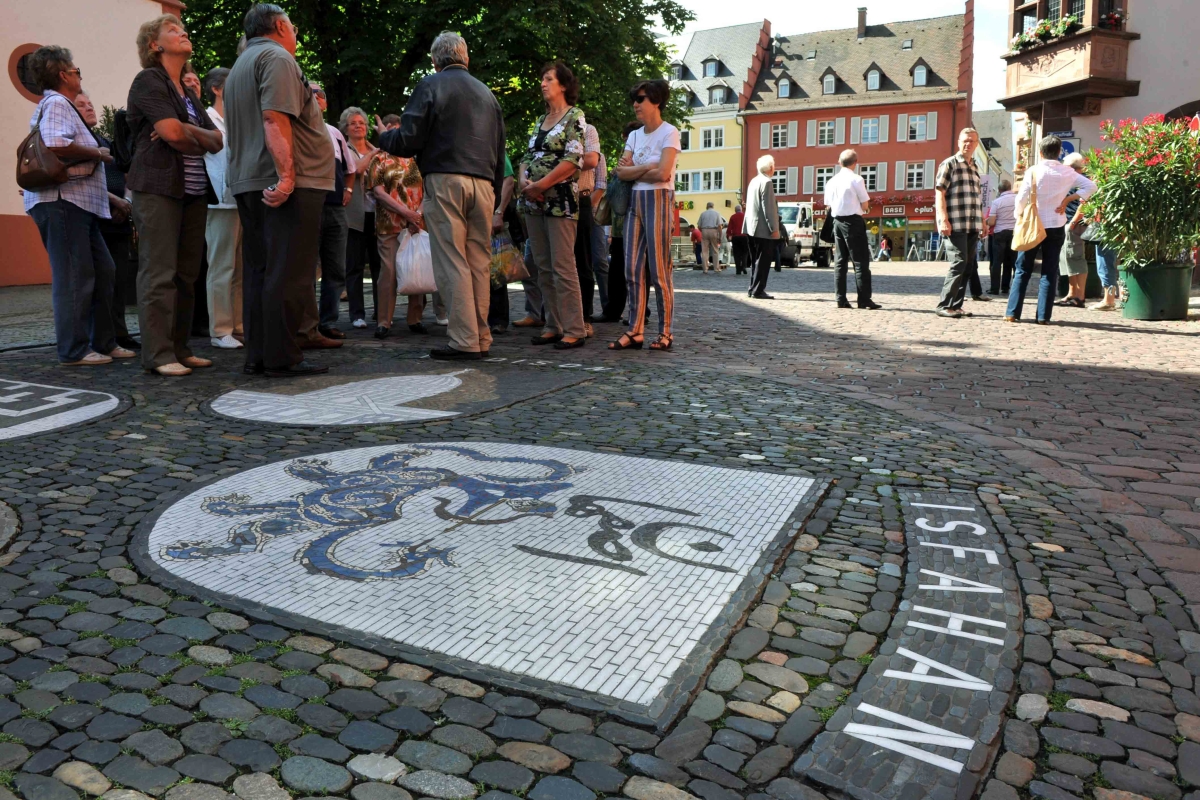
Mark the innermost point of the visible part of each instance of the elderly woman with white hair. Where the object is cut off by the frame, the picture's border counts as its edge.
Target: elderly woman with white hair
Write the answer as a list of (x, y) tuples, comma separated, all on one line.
[(762, 226), (1074, 258)]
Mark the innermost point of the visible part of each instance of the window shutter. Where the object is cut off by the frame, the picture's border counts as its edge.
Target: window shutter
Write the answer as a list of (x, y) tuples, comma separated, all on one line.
[(931, 126), (809, 180), (855, 127), (793, 133), (839, 131), (812, 133), (883, 128), (902, 127), (764, 136), (881, 183), (901, 168), (930, 166), (793, 173)]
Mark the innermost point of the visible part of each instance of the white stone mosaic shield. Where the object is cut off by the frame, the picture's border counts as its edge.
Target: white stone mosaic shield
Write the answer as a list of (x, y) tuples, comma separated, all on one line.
[(27, 408), (589, 570)]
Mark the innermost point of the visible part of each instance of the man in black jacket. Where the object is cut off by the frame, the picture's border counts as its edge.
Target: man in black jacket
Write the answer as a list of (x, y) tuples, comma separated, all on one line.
[(454, 127)]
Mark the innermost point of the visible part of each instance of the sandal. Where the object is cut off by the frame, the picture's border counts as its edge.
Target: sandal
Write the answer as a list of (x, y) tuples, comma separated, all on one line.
[(663, 343), (626, 342)]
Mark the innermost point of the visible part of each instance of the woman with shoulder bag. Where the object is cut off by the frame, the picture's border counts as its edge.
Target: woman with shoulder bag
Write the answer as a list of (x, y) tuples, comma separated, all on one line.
[(171, 194), (68, 217)]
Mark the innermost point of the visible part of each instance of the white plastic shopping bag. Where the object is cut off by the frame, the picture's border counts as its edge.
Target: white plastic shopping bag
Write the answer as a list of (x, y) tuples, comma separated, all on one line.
[(414, 265)]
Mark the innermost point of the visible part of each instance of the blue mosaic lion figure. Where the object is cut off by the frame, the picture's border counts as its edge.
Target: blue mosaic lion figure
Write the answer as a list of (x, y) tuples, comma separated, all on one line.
[(347, 503)]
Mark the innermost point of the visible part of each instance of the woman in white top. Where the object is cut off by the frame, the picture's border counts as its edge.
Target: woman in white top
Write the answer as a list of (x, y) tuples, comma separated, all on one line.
[(222, 233), (649, 161)]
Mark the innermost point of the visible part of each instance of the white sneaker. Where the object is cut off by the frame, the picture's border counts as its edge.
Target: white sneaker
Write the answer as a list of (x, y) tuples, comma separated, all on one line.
[(121, 352), (360, 323), (226, 342), (442, 321), (92, 359)]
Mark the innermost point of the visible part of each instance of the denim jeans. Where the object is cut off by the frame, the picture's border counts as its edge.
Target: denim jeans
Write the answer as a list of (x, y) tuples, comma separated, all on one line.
[(1050, 250), (1106, 265), (600, 262), (334, 234), (82, 274)]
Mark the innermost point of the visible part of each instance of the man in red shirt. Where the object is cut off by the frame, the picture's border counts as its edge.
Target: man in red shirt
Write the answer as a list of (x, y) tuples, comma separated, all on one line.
[(739, 241), (697, 242)]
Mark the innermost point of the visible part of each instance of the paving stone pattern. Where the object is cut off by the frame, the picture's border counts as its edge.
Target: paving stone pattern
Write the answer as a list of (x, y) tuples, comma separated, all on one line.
[(1105, 705)]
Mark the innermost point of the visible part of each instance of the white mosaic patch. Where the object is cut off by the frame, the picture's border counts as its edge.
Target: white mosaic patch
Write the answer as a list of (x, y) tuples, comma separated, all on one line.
[(591, 570), (27, 408), (358, 403)]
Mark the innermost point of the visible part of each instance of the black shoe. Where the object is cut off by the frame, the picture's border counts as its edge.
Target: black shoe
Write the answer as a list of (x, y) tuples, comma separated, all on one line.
[(296, 371), (450, 354), (763, 296), (570, 345), (330, 333), (844, 304), (605, 318), (253, 369), (129, 343), (417, 327), (540, 340), (777, 269), (382, 332), (870, 304)]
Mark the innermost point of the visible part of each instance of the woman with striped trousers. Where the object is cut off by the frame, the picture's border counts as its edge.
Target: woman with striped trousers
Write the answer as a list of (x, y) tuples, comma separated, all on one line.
[(649, 161)]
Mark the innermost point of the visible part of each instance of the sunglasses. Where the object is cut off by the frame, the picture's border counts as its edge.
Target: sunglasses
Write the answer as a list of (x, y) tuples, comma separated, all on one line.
[(641, 98)]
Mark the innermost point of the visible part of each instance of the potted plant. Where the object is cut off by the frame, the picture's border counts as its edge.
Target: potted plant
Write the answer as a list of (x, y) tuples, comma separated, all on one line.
[(1147, 208)]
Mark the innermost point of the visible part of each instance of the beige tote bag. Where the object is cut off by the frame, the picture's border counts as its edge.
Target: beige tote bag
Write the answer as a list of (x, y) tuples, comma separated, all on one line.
[(1029, 232)]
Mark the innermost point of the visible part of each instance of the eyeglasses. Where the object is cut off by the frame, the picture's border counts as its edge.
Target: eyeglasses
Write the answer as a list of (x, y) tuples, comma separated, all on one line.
[(641, 98), (319, 92), (76, 71)]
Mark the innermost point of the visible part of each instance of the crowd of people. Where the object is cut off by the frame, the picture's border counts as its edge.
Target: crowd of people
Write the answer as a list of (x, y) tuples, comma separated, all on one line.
[(276, 217)]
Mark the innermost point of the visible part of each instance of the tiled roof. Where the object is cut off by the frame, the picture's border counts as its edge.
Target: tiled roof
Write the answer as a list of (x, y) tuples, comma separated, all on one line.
[(937, 41), (734, 47)]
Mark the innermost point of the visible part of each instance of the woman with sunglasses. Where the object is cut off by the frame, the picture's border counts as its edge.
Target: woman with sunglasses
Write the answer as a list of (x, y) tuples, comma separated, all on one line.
[(649, 161)]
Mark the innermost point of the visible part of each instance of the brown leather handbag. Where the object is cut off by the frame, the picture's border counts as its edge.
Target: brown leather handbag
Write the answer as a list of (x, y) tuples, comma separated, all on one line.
[(37, 166)]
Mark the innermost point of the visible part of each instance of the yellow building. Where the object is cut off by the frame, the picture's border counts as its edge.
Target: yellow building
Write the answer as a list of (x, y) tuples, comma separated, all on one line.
[(717, 73)]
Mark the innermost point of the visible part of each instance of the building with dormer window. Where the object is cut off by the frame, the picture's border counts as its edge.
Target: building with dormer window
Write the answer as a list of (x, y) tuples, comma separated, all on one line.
[(717, 73), (898, 93)]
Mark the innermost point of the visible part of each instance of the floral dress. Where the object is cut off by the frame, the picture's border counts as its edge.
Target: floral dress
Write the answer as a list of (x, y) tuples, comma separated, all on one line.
[(548, 149), (400, 178)]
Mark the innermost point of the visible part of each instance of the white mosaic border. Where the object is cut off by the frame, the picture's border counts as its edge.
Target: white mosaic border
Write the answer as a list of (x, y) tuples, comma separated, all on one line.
[(97, 408)]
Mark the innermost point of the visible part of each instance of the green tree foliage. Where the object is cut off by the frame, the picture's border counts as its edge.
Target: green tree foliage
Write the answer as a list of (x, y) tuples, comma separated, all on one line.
[(371, 53)]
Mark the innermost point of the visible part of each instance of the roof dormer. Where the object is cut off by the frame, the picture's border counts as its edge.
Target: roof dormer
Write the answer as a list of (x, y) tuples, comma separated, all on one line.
[(920, 72), (712, 66), (829, 81), (676, 70), (873, 76)]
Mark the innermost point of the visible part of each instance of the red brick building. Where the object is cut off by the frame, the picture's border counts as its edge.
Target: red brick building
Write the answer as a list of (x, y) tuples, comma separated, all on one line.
[(896, 93)]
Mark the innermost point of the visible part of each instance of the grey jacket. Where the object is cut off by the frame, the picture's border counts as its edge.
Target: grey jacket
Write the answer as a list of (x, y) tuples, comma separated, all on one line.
[(762, 212)]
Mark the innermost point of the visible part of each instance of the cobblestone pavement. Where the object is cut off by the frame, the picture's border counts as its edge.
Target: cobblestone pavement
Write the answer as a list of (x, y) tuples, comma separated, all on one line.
[(1046, 649)]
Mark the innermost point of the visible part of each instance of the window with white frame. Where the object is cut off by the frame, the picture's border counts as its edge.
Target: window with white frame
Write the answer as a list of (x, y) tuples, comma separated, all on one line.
[(906, 45), (779, 180), (870, 176), (825, 132), (785, 88), (685, 140), (716, 95), (700, 180), (915, 177), (870, 130), (830, 84), (920, 75), (710, 69), (873, 81), (917, 127), (779, 135), (824, 175), (711, 138), (676, 72)]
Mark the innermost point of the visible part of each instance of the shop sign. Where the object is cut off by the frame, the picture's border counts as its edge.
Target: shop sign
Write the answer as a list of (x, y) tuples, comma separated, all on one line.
[(893, 211), (894, 222), (923, 210)]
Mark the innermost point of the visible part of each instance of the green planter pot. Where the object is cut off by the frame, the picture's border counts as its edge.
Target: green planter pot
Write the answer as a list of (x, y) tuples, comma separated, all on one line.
[(1158, 292)]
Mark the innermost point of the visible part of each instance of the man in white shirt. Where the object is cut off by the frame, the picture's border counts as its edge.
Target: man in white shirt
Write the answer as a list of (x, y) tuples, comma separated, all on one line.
[(222, 233), (1001, 219), (710, 224), (846, 200), (1054, 182)]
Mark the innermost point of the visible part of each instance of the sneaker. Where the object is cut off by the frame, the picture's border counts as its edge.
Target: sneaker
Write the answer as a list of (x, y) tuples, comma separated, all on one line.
[(226, 342), (360, 323), (587, 330), (443, 321), (950, 313), (92, 359), (121, 352), (1103, 305)]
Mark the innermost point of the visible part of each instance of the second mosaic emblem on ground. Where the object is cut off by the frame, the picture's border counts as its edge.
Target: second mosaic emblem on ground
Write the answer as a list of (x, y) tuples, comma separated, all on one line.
[(595, 571)]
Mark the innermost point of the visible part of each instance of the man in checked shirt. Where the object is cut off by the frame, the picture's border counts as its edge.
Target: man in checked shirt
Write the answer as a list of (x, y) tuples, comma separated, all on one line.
[(959, 220)]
